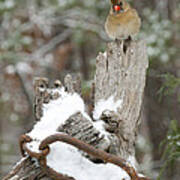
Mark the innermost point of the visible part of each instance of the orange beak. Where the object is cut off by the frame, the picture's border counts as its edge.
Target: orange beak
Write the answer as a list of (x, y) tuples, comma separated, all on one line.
[(117, 8)]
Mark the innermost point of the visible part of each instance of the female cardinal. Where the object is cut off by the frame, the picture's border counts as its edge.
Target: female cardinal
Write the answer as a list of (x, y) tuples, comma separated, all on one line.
[(123, 21)]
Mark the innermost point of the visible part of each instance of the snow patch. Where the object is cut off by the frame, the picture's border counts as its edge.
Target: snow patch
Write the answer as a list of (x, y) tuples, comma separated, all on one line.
[(24, 67), (19, 162), (67, 159), (132, 161), (105, 54), (108, 104), (10, 69), (100, 125), (56, 113), (14, 177), (141, 175), (178, 143)]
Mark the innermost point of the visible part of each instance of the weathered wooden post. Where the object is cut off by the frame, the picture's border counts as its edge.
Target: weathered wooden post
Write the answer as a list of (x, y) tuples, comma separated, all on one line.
[(118, 93)]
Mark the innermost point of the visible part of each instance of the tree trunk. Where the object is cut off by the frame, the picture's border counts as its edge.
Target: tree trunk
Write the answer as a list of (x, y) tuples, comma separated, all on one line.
[(120, 76)]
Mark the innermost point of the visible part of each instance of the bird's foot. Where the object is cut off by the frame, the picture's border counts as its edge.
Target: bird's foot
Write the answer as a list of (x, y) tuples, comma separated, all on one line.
[(127, 43), (129, 39), (120, 42)]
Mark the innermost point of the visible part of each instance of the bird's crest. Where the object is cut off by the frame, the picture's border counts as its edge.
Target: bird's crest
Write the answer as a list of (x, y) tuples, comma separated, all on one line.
[(116, 1)]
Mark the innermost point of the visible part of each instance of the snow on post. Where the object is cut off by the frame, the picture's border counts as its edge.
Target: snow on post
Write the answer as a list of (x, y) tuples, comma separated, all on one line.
[(119, 85)]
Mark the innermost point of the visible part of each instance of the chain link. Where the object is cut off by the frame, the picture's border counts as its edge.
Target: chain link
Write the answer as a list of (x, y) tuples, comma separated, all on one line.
[(45, 150)]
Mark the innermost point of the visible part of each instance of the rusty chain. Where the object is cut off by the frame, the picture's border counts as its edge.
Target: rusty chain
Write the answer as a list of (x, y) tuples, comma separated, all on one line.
[(22, 140), (97, 153), (41, 157)]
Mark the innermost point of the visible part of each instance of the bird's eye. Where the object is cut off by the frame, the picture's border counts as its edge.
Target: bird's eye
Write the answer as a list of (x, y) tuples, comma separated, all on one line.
[(120, 3)]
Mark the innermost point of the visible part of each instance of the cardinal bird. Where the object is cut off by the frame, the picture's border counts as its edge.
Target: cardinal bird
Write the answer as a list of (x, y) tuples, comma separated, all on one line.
[(122, 21)]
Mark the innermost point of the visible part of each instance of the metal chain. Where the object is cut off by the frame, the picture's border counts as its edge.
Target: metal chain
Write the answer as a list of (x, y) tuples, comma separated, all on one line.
[(45, 149)]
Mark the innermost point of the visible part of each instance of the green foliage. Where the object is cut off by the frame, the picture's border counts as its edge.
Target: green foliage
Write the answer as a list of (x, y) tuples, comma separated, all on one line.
[(172, 146), (169, 86)]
